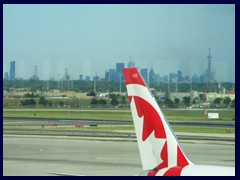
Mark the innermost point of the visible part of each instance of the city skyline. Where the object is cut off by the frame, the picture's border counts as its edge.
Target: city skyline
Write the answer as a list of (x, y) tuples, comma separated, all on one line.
[(89, 39), (114, 74)]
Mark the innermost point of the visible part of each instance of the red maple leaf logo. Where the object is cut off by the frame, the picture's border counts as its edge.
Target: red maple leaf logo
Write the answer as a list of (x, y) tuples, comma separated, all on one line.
[(151, 119)]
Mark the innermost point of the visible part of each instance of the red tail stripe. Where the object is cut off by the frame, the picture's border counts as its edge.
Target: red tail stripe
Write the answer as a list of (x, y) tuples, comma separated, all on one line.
[(151, 119), (181, 159), (174, 171), (132, 76)]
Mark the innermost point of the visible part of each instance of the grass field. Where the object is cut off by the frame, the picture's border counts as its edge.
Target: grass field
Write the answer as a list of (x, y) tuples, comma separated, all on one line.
[(122, 128), (116, 114)]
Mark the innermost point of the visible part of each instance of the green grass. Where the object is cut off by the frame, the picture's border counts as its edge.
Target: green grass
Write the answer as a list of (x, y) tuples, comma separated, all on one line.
[(189, 129), (113, 114), (81, 114)]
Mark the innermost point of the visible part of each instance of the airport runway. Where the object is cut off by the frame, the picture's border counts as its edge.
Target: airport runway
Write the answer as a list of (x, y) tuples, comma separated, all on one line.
[(26, 121), (41, 156)]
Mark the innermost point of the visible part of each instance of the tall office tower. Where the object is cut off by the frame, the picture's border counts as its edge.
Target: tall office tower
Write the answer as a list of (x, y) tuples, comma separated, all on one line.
[(172, 78), (66, 76), (209, 72), (152, 78), (6, 76), (96, 78), (12, 70), (87, 78), (179, 76), (81, 77), (144, 73), (131, 64), (119, 71), (112, 75), (106, 75), (119, 68), (35, 76)]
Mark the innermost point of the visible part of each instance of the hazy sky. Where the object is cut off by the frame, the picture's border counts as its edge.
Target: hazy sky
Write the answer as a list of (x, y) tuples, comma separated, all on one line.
[(89, 39)]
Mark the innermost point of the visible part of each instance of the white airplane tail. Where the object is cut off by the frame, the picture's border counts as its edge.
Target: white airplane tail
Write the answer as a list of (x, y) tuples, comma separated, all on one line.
[(158, 146)]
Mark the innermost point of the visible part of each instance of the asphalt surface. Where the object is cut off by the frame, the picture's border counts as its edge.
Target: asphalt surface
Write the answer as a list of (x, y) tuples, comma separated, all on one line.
[(63, 121), (51, 155)]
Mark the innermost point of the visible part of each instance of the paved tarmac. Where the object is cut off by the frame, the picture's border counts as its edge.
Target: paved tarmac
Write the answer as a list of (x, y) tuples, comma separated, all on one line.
[(44, 156)]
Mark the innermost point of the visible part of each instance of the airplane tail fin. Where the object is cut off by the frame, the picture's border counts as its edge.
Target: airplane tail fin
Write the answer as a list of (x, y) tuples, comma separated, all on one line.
[(158, 146)]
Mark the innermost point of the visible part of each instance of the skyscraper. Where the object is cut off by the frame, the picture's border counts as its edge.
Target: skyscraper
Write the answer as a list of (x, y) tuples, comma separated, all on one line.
[(35, 75), (66, 76), (131, 64), (179, 76), (119, 71), (12, 70), (172, 78), (144, 73), (152, 78), (209, 72), (6, 77), (112, 75), (80, 77), (119, 68)]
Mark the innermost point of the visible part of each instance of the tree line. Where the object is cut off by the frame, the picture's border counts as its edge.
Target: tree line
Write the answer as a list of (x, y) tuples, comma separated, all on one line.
[(117, 100)]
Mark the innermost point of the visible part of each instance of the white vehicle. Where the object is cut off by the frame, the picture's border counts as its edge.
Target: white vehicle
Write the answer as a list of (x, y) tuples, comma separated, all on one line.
[(161, 153)]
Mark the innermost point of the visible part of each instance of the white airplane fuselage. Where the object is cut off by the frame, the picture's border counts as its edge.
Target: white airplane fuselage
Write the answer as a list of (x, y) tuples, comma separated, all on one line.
[(192, 170)]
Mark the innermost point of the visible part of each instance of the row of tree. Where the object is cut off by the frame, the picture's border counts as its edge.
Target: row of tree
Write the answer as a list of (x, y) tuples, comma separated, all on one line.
[(119, 100), (31, 102), (187, 102)]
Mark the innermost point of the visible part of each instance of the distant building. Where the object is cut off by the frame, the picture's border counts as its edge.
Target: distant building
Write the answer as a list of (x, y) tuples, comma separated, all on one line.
[(112, 75), (195, 79), (119, 71), (179, 76), (81, 77), (6, 76), (106, 75), (165, 78), (152, 78), (87, 78), (96, 78), (172, 78), (144, 73), (203, 78), (157, 78), (35, 76), (66, 76), (187, 78), (12, 70), (119, 68), (131, 64)]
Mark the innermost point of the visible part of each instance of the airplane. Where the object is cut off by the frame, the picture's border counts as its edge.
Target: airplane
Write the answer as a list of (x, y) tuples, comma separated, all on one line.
[(160, 151)]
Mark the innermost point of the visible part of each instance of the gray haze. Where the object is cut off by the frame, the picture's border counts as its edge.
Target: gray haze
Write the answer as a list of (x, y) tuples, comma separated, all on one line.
[(89, 39)]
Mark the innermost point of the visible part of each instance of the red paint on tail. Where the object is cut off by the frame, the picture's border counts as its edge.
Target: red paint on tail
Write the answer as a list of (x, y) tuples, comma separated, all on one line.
[(174, 171), (132, 76), (164, 164), (181, 159), (151, 119)]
